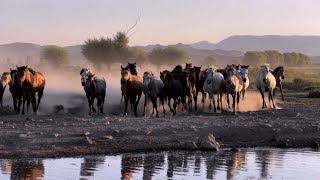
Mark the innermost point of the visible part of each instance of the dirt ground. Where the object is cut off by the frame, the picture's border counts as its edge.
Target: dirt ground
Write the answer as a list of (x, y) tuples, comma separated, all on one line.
[(295, 124)]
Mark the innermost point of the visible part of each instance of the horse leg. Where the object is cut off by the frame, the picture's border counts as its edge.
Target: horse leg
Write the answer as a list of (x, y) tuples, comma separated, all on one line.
[(218, 101), (93, 109), (243, 93), (145, 105), (174, 107), (136, 105), (162, 102), (169, 104), (214, 103), (14, 102), (221, 95), (154, 104), (281, 92), (210, 101), (195, 99), (40, 94), (34, 102), (23, 101), (126, 101), (203, 97), (234, 102), (228, 101), (238, 99), (263, 102), (272, 100)]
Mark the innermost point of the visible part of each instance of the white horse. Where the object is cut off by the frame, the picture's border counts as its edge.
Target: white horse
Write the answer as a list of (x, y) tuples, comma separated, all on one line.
[(95, 88), (243, 73), (266, 82), (214, 84), (153, 89)]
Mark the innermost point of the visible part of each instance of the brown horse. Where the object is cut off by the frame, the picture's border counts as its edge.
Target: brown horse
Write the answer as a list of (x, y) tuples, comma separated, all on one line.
[(233, 86), (278, 73), (132, 89), (31, 82)]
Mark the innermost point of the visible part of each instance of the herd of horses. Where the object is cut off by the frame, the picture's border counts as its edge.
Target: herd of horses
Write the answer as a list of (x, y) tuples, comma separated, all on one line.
[(24, 83), (182, 85)]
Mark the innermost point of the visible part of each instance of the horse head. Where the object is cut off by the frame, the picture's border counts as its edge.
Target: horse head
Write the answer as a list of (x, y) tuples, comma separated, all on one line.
[(264, 70), (244, 74), (147, 78), (168, 80), (230, 71), (84, 73), (125, 75), (280, 71), (22, 73), (209, 75), (132, 67), (5, 79)]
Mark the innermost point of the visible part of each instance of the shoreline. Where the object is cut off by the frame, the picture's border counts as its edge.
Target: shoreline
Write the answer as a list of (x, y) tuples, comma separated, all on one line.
[(296, 125)]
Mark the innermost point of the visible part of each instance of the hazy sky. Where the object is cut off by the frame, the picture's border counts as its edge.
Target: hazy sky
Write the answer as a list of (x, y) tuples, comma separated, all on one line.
[(68, 22)]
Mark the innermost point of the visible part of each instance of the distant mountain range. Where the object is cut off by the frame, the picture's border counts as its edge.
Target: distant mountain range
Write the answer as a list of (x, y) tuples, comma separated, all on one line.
[(227, 50), (309, 45)]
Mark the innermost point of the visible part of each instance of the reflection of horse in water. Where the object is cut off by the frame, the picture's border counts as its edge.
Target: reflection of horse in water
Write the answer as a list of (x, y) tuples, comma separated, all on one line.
[(234, 164), (28, 170), (177, 160), (90, 164), (264, 158), (129, 164), (152, 162)]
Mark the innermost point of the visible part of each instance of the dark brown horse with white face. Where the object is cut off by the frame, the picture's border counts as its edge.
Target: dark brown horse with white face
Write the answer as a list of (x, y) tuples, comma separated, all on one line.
[(132, 89), (200, 79), (278, 73), (31, 82), (132, 68)]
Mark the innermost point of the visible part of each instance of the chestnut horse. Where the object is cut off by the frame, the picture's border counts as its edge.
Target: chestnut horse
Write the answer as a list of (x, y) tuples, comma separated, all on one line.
[(31, 82), (233, 86), (132, 90)]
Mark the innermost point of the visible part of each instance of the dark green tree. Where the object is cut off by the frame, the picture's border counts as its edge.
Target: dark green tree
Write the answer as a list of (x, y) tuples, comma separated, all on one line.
[(169, 55), (254, 58), (55, 55)]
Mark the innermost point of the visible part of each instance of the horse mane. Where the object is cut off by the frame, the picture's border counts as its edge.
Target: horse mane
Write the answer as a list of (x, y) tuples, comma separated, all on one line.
[(33, 72), (277, 69)]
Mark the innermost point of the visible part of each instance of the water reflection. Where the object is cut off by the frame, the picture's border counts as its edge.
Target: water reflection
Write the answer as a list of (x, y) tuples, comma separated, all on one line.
[(27, 169), (129, 165), (90, 164), (252, 164)]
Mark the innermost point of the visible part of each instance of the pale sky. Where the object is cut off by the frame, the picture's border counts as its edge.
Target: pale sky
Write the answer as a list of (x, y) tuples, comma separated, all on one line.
[(69, 22)]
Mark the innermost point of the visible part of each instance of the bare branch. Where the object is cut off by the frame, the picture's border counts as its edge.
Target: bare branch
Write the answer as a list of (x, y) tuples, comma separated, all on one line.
[(138, 19)]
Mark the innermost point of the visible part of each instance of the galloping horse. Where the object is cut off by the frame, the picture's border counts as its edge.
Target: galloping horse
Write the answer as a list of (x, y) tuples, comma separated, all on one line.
[(243, 73), (132, 68), (132, 89), (95, 88), (153, 89), (266, 82), (233, 86), (214, 84), (32, 82), (199, 82), (174, 90), (278, 73), (5, 80)]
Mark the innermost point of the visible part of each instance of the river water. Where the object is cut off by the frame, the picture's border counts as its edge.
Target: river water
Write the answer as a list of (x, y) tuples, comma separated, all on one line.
[(257, 163)]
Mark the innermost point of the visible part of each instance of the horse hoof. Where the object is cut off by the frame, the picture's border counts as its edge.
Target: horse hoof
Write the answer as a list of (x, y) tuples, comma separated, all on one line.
[(157, 115), (125, 114), (94, 110)]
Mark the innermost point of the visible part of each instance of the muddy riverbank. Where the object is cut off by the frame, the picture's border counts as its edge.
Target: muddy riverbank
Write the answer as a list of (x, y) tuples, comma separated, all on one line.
[(296, 124)]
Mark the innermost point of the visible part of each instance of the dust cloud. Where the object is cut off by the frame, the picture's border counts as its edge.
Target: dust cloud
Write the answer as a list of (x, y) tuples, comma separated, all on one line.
[(64, 94)]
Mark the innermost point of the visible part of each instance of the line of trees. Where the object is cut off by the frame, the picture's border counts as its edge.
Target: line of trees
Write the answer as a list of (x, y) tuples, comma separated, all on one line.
[(275, 58), (106, 51)]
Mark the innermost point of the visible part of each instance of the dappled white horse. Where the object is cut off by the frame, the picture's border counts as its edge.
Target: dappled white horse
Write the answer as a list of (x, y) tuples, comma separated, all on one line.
[(95, 88), (243, 73), (153, 89), (214, 84), (266, 82)]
